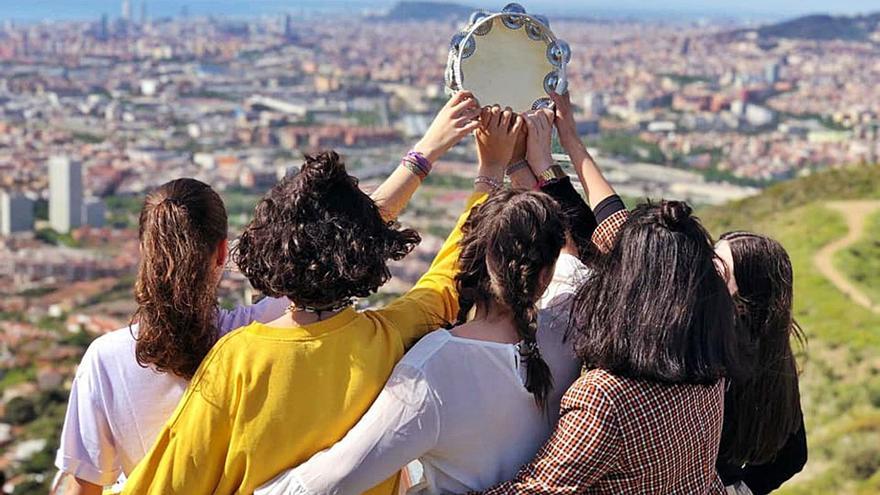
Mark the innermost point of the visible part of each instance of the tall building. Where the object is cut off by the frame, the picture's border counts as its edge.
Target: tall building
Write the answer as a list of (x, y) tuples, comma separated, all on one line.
[(771, 72), (16, 213), (94, 212), (126, 10), (65, 194)]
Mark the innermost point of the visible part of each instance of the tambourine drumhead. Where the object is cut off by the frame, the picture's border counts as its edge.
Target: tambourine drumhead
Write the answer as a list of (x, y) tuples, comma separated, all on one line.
[(507, 68)]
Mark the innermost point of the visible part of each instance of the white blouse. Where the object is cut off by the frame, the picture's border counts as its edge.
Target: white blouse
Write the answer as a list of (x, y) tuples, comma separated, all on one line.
[(458, 405), (118, 407)]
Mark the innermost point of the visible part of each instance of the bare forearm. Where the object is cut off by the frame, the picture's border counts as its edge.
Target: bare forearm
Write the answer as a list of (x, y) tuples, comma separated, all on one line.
[(394, 194), (594, 183)]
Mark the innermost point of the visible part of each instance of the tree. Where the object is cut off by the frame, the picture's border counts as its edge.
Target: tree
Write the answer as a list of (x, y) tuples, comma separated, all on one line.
[(20, 411)]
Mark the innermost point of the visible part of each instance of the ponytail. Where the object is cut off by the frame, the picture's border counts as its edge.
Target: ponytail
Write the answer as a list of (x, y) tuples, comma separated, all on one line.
[(508, 243), (181, 225)]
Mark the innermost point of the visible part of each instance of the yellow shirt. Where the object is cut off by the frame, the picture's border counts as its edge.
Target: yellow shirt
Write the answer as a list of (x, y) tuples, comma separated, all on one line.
[(265, 399)]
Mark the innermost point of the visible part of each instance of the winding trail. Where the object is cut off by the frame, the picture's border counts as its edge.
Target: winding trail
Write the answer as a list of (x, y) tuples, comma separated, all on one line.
[(855, 213)]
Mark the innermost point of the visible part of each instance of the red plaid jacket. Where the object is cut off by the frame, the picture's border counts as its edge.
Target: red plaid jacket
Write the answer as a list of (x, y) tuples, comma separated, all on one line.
[(618, 436)]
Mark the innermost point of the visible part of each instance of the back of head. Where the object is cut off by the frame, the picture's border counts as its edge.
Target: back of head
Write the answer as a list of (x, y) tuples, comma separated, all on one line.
[(763, 409), (319, 240), (182, 224), (656, 307), (510, 244)]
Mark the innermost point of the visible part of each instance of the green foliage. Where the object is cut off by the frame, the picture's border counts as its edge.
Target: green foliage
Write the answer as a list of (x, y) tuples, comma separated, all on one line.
[(55, 238), (861, 262), (123, 211), (630, 146), (840, 384), (31, 487), (16, 376), (20, 411)]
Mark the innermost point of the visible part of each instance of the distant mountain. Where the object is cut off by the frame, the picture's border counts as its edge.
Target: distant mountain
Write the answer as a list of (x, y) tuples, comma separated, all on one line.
[(824, 27), (422, 11)]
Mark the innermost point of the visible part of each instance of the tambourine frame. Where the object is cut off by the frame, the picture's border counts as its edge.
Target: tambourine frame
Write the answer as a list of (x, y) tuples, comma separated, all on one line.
[(548, 36)]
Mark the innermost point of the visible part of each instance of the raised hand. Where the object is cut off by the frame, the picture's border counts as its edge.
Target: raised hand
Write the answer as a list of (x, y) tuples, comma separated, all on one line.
[(539, 124), (564, 119), (456, 119), (497, 137)]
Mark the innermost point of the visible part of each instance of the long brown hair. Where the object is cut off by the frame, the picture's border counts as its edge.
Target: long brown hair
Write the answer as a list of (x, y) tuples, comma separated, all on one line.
[(181, 225), (507, 244), (762, 409), (655, 307)]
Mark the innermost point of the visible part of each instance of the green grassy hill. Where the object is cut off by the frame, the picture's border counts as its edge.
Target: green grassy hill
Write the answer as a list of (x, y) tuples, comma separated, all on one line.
[(841, 365)]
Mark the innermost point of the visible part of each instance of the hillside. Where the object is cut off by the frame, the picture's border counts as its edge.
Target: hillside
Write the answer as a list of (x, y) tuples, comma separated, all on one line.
[(841, 364), (824, 27)]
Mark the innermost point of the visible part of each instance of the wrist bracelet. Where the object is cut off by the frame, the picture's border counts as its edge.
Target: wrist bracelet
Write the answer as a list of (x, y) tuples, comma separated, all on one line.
[(489, 181), (516, 167), (418, 172), (420, 160)]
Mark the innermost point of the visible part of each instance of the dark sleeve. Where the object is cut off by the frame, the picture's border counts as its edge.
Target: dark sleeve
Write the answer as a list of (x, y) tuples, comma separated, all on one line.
[(765, 478), (580, 219), (607, 207)]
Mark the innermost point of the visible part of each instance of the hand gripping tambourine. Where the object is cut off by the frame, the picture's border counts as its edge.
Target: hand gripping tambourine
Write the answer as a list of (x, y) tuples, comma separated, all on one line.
[(510, 58)]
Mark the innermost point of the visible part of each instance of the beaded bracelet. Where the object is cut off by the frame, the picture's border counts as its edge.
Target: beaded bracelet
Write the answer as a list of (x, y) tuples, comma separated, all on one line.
[(412, 167), (420, 160), (516, 167), (489, 181), (416, 163)]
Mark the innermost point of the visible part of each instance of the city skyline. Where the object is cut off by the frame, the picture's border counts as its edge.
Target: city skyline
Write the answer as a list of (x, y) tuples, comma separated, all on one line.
[(745, 10)]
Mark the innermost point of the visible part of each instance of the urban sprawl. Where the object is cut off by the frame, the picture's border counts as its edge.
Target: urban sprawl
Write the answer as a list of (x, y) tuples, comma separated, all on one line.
[(95, 113)]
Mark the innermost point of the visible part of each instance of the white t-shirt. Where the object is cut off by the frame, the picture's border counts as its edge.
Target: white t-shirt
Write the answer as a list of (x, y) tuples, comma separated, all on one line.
[(117, 407), (458, 405)]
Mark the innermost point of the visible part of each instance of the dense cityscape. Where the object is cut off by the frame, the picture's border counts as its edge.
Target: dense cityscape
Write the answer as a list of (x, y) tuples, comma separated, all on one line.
[(95, 113)]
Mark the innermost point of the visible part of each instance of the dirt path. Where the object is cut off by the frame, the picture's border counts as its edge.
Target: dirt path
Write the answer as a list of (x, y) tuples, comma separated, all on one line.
[(855, 213)]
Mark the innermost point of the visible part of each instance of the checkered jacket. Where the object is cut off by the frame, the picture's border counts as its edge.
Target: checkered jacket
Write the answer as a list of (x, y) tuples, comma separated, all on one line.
[(606, 233), (618, 436)]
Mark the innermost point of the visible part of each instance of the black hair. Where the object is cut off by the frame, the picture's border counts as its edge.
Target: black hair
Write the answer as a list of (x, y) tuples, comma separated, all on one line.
[(319, 240), (656, 307)]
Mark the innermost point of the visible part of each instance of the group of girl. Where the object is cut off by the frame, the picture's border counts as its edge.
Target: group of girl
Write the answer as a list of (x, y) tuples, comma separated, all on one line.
[(554, 346)]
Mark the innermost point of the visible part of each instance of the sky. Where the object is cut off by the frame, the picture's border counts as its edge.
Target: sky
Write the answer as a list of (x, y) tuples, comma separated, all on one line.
[(35, 10)]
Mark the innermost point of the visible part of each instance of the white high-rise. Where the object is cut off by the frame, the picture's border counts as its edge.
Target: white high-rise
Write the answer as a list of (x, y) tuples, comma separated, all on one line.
[(65, 194), (16, 213), (126, 10)]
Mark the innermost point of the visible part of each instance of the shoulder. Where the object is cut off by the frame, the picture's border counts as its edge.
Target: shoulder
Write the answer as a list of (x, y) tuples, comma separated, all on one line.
[(426, 349), (595, 385), (110, 350)]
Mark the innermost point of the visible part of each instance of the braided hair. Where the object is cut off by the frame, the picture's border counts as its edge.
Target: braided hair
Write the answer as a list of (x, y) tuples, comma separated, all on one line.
[(508, 244)]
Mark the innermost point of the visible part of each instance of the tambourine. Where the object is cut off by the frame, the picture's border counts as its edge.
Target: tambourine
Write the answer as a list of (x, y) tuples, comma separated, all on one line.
[(509, 58)]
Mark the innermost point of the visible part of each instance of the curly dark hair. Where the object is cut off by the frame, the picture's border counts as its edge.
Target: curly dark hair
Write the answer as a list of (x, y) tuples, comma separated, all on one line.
[(763, 410), (656, 307), (508, 243), (181, 226), (319, 240)]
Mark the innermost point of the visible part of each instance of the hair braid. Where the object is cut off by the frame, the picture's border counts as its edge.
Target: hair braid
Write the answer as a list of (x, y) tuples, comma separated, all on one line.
[(507, 244), (517, 291)]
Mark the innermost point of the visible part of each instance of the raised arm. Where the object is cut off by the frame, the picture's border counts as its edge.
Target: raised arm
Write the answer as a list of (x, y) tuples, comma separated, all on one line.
[(456, 119), (595, 185), (400, 426), (433, 301), (580, 221), (608, 208)]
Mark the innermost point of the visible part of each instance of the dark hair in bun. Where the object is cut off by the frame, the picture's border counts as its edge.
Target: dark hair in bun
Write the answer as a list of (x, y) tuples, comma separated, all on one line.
[(674, 213), (319, 240), (657, 308)]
